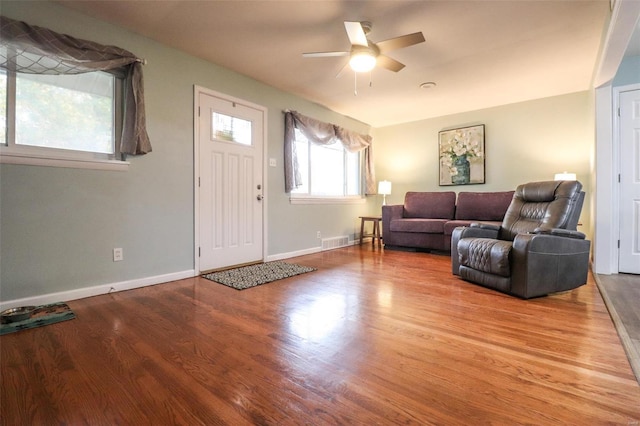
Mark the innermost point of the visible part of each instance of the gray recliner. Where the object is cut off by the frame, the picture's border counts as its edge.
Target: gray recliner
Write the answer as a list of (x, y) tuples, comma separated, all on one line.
[(537, 249)]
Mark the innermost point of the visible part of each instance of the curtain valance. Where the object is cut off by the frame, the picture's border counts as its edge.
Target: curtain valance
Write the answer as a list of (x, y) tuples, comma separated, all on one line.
[(35, 50), (324, 134)]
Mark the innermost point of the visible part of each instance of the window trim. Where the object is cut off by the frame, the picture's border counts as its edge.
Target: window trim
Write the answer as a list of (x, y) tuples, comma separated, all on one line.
[(310, 199), (10, 153), (50, 159)]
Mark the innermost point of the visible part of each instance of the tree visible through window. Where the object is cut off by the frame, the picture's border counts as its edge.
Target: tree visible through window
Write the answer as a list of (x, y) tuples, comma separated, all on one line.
[(69, 112)]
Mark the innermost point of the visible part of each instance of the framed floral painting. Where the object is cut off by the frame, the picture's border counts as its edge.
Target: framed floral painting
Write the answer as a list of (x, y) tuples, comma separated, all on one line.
[(461, 155)]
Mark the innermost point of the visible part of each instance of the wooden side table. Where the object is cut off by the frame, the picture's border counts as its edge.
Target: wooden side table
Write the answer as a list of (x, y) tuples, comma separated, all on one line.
[(376, 234)]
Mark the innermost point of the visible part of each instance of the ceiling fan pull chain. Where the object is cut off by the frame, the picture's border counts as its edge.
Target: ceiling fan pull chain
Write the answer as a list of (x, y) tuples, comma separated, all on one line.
[(371, 78), (355, 83)]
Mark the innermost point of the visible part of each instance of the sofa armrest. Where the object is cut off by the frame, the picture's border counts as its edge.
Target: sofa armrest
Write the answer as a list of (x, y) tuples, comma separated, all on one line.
[(388, 214), (476, 230), (392, 212)]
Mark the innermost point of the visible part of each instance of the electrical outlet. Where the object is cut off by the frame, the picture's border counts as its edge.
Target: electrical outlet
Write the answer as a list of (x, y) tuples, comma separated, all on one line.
[(318, 234), (118, 254)]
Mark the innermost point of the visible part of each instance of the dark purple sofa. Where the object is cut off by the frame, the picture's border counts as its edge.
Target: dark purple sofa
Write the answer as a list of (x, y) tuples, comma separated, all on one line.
[(426, 219)]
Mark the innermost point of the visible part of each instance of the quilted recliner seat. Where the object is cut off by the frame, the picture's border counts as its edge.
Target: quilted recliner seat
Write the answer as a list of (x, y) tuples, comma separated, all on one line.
[(537, 249)]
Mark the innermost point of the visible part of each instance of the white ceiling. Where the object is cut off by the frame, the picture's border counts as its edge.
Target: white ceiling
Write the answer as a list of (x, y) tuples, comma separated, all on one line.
[(479, 53)]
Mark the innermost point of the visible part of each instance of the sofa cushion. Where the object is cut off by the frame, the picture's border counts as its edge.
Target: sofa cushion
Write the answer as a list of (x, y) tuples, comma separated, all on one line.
[(430, 205), (426, 226), (483, 206)]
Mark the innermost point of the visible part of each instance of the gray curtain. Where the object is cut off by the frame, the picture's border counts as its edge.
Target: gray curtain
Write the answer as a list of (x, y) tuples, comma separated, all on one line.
[(36, 50), (324, 134)]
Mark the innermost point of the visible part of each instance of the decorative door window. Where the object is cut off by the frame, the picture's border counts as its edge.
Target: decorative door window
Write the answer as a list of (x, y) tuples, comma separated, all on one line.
[(230, 129)]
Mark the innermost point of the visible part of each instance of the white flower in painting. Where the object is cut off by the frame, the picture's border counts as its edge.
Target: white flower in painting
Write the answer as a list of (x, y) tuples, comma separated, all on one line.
[(460, 149)]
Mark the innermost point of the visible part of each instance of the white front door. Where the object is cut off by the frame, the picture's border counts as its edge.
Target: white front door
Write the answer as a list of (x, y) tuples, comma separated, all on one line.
[(629, 256), (230, 137)]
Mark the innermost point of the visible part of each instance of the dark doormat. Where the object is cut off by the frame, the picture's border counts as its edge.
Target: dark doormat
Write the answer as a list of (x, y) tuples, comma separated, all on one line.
[(254, 275)]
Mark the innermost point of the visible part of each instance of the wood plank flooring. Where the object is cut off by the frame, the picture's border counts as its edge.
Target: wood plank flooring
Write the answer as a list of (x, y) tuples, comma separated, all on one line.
[(372, 337), (621, 293)]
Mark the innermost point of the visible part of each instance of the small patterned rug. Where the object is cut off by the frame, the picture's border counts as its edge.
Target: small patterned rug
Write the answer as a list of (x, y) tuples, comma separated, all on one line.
[(254, 275), (42, 315)]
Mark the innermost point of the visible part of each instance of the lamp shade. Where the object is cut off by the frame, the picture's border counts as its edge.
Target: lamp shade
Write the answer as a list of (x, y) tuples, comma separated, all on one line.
[(565, 176), (384, 187)]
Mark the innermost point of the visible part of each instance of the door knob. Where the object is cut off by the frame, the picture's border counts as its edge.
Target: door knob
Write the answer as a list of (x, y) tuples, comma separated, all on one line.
[(259, 197)]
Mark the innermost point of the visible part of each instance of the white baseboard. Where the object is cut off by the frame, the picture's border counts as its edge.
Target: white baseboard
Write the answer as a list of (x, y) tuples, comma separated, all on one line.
[(281, 256), (81, 293), (312, 250)]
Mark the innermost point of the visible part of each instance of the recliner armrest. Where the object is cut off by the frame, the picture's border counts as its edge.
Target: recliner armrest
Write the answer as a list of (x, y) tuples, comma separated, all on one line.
[(543, 263), (485, 226), (559, 232), (476, 230)]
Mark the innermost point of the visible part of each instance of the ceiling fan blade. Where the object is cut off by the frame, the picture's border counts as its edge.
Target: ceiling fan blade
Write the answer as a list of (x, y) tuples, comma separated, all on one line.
[(324, 54), (388, 63), (356, 33), (342, 69), (400, 42)]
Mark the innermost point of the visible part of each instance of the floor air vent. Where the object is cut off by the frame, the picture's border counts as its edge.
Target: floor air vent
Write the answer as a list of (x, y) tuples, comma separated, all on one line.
[(334, 243)]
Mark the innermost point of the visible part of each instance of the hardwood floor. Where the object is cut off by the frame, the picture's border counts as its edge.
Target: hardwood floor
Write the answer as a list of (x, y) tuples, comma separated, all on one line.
[(372, 337), (621, 293)]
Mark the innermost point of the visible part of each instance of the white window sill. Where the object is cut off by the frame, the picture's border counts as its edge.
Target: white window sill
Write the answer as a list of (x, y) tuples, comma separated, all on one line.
[(57, 160), (308, 199)]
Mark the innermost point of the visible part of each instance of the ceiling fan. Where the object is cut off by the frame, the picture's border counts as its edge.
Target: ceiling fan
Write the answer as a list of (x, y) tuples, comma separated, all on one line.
[(364, 54)]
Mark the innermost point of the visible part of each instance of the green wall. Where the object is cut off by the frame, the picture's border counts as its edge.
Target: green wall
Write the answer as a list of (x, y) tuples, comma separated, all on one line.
[(629, 72), (524, 142), (58, 226)]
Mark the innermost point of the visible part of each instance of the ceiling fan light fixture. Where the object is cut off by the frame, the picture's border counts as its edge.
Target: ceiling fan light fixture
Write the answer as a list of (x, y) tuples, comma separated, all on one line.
[(362, 61)]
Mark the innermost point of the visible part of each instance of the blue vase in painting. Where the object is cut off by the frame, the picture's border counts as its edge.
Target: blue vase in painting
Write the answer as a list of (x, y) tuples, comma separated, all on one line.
[(464, 171)]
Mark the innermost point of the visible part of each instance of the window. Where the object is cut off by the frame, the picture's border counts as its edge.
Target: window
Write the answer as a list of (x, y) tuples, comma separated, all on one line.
[(232, 129), (69, 118), (321, 167), (328, 171)]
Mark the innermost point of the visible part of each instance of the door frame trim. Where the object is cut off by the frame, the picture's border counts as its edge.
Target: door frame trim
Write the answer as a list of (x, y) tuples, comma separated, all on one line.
[(197, 91), (615, 193)]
